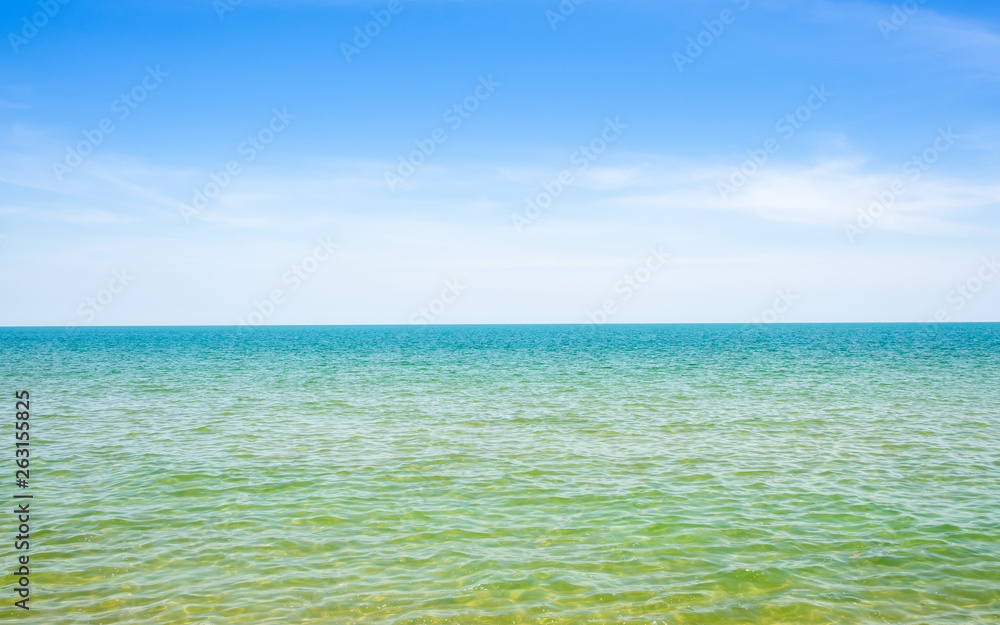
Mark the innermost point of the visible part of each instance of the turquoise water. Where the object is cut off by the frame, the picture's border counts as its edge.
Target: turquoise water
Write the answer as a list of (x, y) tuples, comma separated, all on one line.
[(511, 474)]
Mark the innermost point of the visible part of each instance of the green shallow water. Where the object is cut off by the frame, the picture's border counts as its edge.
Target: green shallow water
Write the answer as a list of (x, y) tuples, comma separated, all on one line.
[(512, 474)]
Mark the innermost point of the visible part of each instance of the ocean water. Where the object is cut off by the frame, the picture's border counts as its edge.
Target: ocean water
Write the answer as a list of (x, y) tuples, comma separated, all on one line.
[(786, 474)]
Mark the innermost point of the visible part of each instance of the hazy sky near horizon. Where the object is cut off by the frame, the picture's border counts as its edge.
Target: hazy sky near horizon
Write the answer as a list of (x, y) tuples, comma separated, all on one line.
[(436, 161)]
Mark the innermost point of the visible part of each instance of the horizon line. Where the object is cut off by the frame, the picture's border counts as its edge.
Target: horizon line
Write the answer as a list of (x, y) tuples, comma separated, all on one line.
[(453, 325)]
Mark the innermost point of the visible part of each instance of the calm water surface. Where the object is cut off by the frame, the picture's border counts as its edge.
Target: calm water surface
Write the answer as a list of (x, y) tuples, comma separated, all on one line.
[(511, 474)]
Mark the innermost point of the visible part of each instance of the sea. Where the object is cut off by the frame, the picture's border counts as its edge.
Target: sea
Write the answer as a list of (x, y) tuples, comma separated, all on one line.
[(554, 474)]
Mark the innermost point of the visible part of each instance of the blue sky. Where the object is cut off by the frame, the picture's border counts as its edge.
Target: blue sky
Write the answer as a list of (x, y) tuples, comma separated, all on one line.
[(867, 135)]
